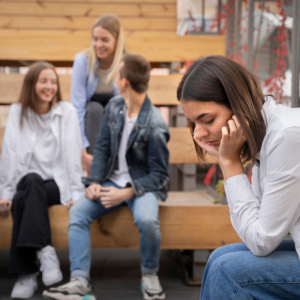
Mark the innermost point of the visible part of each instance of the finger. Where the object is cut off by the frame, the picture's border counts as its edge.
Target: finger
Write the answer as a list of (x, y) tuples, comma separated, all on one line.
[(225, 135), (238, 126), (232, 128)]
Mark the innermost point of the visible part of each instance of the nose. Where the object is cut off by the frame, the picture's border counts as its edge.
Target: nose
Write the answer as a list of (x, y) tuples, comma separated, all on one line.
[(200, 132), (98, 43)]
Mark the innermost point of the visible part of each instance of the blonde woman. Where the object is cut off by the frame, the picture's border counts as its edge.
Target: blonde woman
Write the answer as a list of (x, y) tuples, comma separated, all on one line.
[(94, 72), (40, 166)]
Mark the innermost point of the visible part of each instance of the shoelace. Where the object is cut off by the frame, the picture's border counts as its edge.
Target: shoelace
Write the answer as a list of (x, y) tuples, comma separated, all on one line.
[(152, 282), (48, 260)]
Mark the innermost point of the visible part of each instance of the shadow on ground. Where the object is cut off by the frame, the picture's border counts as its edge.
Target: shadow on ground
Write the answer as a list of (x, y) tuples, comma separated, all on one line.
[(115, 275)]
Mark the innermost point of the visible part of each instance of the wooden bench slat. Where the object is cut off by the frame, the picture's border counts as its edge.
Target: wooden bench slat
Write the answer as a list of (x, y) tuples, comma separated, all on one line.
[(83, 23), (181, 146), (62, 45), (162, 89), (88, 9), (174, 2), (182, 227)]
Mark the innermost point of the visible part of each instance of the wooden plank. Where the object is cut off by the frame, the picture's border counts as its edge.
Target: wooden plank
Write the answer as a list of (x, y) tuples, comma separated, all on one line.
[(182, 149), (199, 226), (87, 9), (94, 1), (83, 23), (62, 45), (162, 89)]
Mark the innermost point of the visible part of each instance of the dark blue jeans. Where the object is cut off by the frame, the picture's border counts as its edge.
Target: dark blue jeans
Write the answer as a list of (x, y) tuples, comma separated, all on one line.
[(233, 272), (145, 213)]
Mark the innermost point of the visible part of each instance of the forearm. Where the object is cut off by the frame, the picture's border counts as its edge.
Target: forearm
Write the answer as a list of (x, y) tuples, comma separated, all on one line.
[(231, 168)]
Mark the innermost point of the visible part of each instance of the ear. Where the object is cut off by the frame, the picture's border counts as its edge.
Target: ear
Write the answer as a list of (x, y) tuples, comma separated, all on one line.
[(125, 82)]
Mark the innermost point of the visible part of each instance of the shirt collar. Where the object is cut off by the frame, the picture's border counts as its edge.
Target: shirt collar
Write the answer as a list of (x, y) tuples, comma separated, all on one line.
[(268, 108)]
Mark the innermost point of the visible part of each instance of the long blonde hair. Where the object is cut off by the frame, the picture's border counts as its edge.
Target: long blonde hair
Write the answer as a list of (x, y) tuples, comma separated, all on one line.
[(113, 25)]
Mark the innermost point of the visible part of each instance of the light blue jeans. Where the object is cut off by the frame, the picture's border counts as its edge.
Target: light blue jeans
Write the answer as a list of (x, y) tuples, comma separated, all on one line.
[(145, 213), (233, 272)]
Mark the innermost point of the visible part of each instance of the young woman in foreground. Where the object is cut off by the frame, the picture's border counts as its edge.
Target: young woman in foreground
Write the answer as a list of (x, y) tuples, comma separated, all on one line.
[(231, 119), (40, 167)]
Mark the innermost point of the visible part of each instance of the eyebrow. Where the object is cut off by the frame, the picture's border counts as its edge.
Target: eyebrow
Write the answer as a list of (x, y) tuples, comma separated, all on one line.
[(200, 116)]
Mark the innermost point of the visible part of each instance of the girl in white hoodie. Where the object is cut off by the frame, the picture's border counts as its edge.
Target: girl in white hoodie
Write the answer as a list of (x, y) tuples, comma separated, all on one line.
[(40, 166)]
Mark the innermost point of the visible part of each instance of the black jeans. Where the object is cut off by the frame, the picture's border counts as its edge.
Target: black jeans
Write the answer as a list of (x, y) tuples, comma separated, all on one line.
[(31, 228)]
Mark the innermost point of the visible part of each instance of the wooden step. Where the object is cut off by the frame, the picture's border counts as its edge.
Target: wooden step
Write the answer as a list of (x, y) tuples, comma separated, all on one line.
[(162, 89), (188, 220)]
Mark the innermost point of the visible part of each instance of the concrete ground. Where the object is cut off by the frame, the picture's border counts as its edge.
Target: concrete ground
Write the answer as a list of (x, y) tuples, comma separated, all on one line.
[(115, 275)]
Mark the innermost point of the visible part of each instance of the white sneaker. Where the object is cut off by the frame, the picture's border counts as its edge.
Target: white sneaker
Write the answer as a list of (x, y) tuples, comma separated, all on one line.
[(151, 287), (49, 266), (25, 287), (78, 288)]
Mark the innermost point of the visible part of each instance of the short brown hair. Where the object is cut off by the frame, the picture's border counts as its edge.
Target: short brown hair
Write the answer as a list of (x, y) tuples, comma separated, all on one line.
[(28, 96), (219, 79), (136, 70)]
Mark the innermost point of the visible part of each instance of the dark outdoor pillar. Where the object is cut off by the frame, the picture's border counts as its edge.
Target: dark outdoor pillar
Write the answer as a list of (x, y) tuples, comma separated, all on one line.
[(250, 52), (237, 19)]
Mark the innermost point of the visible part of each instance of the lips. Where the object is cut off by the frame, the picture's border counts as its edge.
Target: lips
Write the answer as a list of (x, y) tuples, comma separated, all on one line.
[(212, 143)]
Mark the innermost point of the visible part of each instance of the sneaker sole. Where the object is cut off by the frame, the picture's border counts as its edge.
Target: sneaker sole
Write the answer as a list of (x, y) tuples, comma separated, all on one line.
[(159, 297), (60, 296), (147, 297)]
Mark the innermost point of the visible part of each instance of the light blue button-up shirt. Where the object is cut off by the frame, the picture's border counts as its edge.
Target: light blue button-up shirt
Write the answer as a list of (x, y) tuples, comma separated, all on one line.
[(82, 89)]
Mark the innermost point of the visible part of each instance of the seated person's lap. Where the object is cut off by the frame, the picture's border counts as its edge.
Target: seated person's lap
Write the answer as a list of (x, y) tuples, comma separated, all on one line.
[(145, 207)]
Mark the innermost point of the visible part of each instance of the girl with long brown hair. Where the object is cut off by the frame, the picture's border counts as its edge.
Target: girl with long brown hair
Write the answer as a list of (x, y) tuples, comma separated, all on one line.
[(231, 119), (93, 80), (40, 167)]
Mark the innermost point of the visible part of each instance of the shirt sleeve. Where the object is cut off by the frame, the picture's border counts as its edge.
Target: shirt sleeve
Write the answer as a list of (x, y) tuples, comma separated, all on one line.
[(263, 223), (79, 94), (8, 164), (73, 150)]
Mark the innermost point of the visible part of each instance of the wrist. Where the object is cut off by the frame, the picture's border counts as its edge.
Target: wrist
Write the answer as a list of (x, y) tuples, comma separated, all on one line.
[(128, 193)]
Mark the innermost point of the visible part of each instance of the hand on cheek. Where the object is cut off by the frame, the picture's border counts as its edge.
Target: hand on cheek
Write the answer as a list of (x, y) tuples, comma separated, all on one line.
[(232, 142)]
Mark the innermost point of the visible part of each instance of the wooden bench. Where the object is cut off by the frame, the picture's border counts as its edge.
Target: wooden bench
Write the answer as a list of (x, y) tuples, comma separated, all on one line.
[(188, 220), (57, 30), (162, 89)]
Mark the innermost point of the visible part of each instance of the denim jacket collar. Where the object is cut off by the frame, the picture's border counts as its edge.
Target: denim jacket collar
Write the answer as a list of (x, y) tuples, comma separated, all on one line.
[(141, 122), (145, 114)]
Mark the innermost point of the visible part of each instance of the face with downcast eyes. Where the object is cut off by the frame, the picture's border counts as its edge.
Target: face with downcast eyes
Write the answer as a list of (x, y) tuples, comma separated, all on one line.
[(46, 85), (209, 117)]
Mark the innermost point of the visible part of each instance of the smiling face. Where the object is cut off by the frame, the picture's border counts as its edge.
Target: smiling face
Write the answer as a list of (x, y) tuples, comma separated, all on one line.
[(46, 85), (209, 118), (104, 43)]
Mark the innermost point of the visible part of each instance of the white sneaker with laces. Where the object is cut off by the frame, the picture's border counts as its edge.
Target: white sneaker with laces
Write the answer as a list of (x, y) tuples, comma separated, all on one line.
[(25, 287), (151, 287), (50, 267), (78, 288)]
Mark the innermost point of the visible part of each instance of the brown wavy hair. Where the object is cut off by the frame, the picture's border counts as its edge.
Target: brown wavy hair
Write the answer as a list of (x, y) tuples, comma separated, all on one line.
[(219, 79), (28, 96)]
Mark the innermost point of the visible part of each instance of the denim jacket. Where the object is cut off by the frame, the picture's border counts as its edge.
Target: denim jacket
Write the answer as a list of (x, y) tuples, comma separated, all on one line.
[(82, 89), (147, 154)]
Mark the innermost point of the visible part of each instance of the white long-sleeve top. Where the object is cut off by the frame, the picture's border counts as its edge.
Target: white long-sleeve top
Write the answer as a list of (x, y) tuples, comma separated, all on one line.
[(263, 214), (18, 147)]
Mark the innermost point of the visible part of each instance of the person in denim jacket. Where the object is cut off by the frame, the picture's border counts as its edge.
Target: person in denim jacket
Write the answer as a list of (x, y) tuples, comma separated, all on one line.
[(130, 166)]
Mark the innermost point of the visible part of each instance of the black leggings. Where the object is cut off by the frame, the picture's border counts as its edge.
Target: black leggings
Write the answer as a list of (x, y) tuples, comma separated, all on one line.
[(31, 228)]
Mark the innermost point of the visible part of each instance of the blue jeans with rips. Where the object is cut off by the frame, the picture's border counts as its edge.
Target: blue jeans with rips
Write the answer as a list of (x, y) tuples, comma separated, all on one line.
[(233, 272), (145, 212)]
